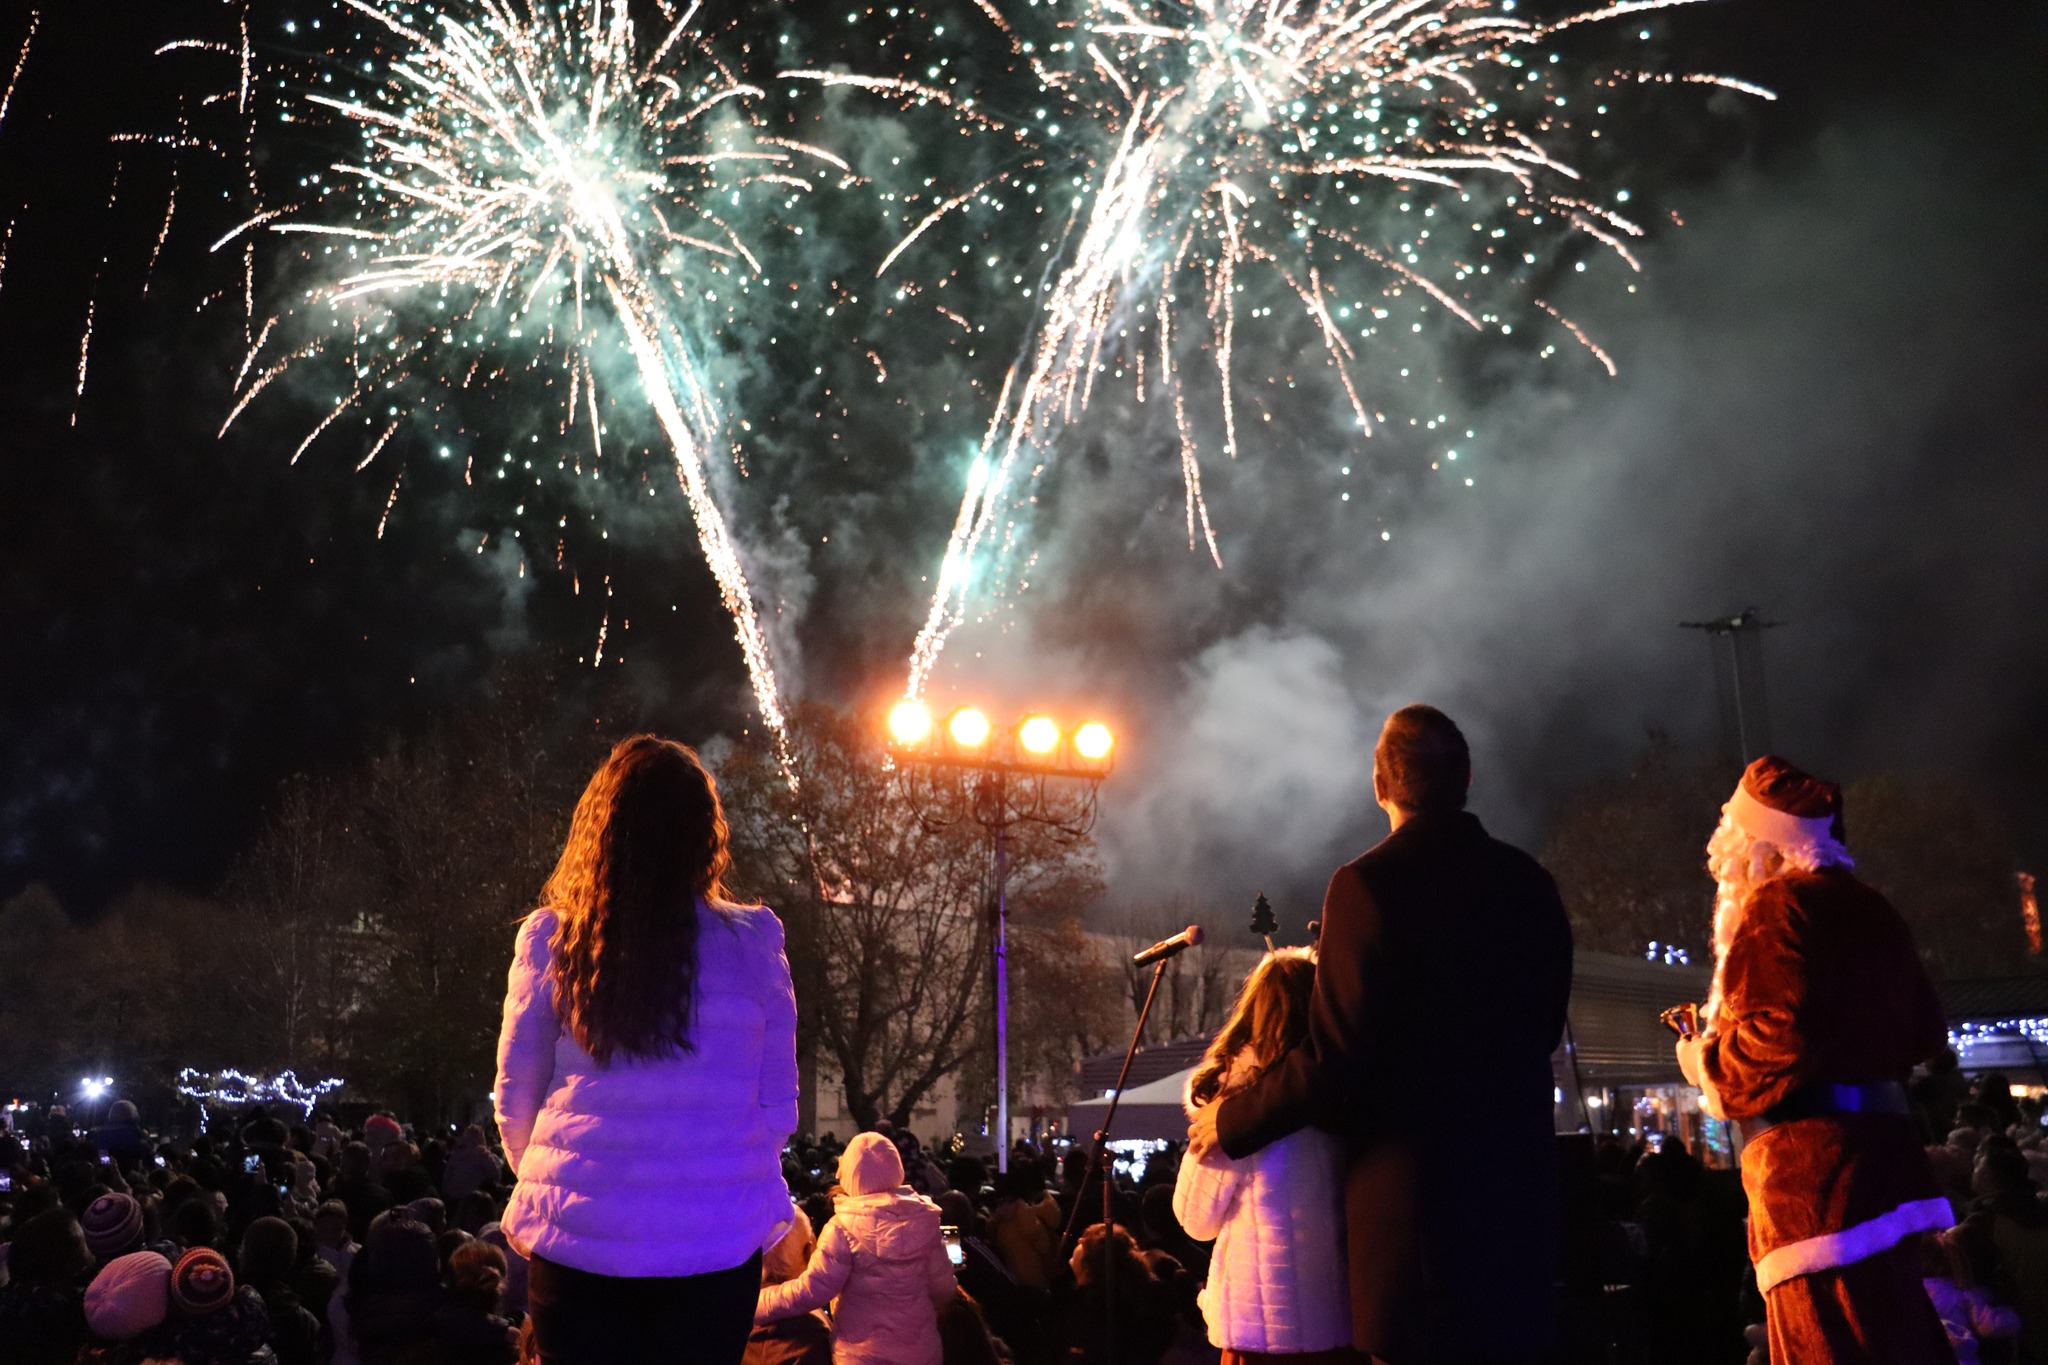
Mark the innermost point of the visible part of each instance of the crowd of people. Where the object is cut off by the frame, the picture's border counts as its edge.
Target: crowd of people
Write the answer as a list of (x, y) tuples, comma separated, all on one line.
[(264, 1242), (300, 1244), (642, 1200)]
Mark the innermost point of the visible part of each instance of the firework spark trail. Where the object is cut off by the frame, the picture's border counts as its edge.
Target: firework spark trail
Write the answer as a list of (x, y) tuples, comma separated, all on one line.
[(92, 305), (35, 17), (520, 154), (1230, 135)]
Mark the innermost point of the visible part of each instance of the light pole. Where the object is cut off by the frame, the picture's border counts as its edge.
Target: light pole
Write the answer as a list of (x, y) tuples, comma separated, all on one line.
[(1737, 645), (1032, 772)]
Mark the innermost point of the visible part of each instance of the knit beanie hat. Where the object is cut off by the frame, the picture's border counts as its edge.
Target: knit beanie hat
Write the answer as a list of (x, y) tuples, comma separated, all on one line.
[(113, 1225), (201, 1283), (122, 1111), (380, 1131), (128, 1297), (870, 1165), (269, 1250)]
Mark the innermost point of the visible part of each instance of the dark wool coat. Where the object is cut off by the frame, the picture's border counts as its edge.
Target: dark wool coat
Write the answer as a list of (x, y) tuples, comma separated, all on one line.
[(1440, 995), (1820, 985)]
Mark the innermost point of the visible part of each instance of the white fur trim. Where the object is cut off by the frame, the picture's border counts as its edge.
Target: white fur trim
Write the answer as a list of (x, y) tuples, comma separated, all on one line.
[(1777, 827), (1834, 1249)]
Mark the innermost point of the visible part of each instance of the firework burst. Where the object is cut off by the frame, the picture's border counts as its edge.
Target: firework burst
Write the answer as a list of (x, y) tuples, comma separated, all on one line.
[(1222, 138), (532, 180)]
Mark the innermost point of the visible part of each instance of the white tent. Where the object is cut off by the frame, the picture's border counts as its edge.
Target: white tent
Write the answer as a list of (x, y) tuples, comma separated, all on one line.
[(1151, 1111)]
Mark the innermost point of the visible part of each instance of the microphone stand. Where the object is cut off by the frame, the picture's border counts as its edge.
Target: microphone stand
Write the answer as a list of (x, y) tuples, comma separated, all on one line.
[(1100, 1161)]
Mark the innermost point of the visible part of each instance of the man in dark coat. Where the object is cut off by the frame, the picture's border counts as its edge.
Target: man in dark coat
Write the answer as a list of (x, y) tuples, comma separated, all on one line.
[(1445, 966)]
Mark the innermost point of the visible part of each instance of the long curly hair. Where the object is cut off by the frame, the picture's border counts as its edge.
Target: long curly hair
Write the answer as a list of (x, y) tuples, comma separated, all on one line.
[(1270, 1017), (646, 853)]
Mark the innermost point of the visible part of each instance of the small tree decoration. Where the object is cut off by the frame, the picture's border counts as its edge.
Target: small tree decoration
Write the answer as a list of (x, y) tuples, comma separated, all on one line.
[(1263, 923)]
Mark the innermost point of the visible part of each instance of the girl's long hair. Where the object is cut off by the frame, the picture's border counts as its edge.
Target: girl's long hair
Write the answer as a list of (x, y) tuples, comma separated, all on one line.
[(647, 843), (1270, 1017)]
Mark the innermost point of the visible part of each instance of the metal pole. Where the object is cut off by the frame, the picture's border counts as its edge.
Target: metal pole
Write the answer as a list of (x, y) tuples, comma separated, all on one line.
[(1003, 989)]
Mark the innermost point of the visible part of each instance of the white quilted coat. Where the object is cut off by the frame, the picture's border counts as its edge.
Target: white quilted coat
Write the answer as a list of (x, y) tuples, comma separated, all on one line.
[(1277, 1279), (664, 1167), (881, 1263)]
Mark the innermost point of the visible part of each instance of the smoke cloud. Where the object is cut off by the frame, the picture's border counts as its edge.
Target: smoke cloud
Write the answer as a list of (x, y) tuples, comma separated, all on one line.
[(1828, 407)]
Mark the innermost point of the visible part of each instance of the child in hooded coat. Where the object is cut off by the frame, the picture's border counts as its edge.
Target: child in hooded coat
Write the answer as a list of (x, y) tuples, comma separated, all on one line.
[(881, 1263)]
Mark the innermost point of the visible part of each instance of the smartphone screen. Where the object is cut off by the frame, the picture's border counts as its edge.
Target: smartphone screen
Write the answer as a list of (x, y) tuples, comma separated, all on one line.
[(955, 1253), (6, 1182), (159, 1161), (252, 1163)]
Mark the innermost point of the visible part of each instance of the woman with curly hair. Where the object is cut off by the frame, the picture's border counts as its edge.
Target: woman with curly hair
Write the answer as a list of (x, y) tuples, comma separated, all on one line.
[(646, 1077)]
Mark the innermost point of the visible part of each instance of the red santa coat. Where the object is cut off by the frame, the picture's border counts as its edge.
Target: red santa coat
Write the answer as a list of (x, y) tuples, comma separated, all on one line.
[(1820, 985)]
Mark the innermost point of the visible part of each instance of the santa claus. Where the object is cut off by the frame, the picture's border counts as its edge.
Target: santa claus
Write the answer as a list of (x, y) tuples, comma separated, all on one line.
[(1819, 1012)]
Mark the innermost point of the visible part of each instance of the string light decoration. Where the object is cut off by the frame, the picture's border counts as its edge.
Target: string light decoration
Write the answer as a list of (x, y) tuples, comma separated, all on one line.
[(238, 1088), (2029, 1033)]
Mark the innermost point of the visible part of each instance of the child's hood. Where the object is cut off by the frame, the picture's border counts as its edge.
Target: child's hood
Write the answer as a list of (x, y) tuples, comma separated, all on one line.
[(870, 1165), (895, 1225)]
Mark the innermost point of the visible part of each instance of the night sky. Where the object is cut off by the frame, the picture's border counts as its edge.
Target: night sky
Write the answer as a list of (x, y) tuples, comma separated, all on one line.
[(1833, 384)]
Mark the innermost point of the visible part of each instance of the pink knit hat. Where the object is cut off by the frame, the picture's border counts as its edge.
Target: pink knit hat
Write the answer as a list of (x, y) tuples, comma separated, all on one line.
[(129, 1296)]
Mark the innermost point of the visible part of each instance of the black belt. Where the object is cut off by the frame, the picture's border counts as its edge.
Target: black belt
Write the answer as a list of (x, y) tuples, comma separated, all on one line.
[(1823, 1101)]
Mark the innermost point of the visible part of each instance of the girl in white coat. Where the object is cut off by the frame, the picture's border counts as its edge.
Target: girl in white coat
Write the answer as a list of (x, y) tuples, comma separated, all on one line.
[(881, 1263), (1277, 1284), (646, 1078)]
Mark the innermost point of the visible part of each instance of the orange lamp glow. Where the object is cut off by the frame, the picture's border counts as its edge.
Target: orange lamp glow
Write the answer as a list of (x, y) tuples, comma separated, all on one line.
[(969, 728), (1039, 735), (1093, 741), (910, 723)]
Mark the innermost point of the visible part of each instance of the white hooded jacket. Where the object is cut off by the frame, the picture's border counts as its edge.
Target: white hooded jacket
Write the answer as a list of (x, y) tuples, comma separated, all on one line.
[(1277, 1280), (669, 1166), (881, 1263)]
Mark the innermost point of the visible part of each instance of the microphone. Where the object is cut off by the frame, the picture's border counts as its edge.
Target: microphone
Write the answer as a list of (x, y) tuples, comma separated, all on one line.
[(1167, 947)]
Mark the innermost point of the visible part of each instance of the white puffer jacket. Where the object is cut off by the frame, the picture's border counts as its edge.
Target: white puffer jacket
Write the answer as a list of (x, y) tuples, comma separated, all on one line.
[(1277, 1280), (665, 1167), (881, 1263)]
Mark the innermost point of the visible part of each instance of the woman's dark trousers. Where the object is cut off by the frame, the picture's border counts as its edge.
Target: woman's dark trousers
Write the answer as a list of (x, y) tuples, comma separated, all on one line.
[(585, 1319)]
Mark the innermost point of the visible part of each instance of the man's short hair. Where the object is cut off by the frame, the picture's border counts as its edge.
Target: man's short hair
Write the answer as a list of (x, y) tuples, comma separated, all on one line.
[(1422, 762)]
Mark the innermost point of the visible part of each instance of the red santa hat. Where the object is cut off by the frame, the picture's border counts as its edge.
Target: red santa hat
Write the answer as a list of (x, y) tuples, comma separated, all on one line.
[(1779, 804)]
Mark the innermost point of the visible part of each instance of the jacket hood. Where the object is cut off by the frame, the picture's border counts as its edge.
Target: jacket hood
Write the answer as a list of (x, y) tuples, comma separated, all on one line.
[(870, 1165), (895, 1225)]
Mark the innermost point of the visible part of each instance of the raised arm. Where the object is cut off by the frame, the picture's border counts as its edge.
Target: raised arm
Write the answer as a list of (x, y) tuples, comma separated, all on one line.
[(526, 1037), (943, 1280), (778, 1042), (820, 1283), (1344, 1036)]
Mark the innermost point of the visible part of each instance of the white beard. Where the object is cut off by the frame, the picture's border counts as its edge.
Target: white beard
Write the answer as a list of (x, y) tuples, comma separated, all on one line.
[(1740, 864)]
